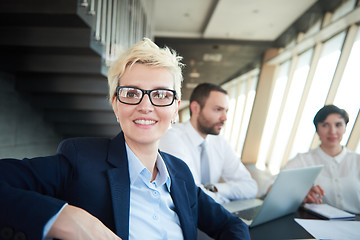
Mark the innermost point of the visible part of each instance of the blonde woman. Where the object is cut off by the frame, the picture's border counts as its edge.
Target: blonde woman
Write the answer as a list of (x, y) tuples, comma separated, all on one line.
[(120, 188)]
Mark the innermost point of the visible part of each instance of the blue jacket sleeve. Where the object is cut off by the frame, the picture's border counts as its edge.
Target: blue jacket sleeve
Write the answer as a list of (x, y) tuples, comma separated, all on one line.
[(198, 210), (217, 222), (28, 190)]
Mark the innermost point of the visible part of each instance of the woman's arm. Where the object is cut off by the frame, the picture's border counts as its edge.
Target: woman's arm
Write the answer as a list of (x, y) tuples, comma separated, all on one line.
[(76, 223)]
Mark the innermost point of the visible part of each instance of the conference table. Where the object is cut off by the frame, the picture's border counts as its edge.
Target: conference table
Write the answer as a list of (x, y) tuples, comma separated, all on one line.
[(281, 228), (285, 227)]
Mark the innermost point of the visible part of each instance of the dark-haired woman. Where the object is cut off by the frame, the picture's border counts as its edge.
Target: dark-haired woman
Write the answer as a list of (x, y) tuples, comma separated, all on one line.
[(338, 184)]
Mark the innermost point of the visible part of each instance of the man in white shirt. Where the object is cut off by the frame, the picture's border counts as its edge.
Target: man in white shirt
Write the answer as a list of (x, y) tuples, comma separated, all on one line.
[(225, 177)]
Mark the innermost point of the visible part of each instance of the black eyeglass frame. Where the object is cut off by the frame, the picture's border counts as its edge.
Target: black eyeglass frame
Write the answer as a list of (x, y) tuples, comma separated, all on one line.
[(148, 93)]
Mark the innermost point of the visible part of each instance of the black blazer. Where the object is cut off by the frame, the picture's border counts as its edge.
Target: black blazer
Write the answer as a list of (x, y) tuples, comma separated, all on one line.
[(92, 173)]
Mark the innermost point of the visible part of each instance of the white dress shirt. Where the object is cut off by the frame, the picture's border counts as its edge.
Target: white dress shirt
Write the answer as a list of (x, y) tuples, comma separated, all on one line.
[(152, 211), (340, 177), (227, 172)]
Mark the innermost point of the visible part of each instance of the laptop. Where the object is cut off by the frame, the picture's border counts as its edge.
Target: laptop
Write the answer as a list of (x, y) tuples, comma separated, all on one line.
[(284, 197)]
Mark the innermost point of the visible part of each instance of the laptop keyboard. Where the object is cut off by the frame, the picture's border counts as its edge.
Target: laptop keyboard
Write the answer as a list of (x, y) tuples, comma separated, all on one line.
[(248, 214)]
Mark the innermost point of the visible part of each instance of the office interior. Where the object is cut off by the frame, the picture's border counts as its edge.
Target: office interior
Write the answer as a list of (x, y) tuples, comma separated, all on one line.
[(279, 60)]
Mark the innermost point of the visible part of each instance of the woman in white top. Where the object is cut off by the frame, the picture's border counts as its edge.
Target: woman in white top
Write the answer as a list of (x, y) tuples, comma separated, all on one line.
[(338, 184)]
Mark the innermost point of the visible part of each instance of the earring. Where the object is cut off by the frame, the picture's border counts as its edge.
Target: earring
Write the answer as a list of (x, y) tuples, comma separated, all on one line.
[(117, 119), (172, 121)]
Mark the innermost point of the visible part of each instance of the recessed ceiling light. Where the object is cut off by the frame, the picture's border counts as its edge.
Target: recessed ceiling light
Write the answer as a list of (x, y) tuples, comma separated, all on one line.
[(194, 74), (212, 57)]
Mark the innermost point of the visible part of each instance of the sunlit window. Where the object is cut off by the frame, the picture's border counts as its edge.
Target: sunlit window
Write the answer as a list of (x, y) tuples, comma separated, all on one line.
[(292, 102), (344, 8), (348, 96), (358, 148), (273, 113), (184, 114), (314, 28), (230, 115), (318, 92), (304, 82), (291, 44), (242, 92), (240, 105), (250, 97)]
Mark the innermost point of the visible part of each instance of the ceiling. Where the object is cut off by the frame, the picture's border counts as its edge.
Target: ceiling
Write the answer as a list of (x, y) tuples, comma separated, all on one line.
[(58, 68), (220, 39)]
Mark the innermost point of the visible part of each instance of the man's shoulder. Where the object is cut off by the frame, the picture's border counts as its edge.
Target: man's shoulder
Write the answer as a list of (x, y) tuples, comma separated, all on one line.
[(301, 159), (178, 127), (174, 162), (168, 157), (175, 132)]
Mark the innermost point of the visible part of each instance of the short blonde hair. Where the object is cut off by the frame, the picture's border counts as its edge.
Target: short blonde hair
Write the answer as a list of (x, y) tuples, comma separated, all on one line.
[(148, 53)]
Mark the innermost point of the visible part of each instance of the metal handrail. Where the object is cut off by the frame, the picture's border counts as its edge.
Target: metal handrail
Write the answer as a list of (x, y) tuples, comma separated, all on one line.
[(118, 24)]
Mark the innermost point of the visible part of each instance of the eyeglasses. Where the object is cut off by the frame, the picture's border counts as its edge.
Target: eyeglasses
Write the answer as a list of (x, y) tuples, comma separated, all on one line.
[(158, 97)]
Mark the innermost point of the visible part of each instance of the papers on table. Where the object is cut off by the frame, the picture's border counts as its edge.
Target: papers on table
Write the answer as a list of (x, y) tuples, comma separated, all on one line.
[(328, 212), (331, 229)]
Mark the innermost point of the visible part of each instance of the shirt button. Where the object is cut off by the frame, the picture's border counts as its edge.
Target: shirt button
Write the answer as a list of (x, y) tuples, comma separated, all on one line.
[(155, 217), (155, 194)]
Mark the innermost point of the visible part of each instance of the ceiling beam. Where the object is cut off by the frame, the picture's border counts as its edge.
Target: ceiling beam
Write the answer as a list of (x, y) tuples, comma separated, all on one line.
[(208, 16)]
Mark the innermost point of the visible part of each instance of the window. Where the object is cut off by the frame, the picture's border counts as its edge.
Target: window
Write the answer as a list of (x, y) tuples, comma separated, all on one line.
[(322, 68), (291, 105), (318, 92), (347, 96), (273, 113), (239, 111), (249, 102), (231, 89), (343, 9), (324, 74), (242, 92)]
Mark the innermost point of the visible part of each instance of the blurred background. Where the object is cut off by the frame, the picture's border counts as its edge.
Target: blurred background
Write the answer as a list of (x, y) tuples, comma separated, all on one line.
[(279, 60)]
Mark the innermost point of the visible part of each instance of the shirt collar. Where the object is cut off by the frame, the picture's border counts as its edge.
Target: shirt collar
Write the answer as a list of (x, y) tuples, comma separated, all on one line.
[(196, 138), (337, 158), (137, 169)]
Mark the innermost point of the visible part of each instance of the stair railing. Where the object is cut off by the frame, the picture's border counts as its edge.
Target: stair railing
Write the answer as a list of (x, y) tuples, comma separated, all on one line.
[(118, 24)]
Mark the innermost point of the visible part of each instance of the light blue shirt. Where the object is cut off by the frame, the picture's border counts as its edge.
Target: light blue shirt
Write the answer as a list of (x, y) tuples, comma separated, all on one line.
[(51, 222), (152, 211)]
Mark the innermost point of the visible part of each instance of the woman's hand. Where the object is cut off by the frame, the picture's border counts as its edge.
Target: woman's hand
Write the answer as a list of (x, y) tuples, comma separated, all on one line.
[(76, 223), (315, 195)]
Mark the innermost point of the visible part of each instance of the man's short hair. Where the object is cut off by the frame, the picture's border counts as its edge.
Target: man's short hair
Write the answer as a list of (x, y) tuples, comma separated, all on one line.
[(325, 111), (202, 91)]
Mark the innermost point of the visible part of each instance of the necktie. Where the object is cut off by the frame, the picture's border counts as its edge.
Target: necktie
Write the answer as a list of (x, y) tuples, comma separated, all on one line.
[(204, 164)]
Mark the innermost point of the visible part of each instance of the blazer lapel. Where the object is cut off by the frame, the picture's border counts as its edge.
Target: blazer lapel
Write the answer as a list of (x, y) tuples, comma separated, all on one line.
[(119, 185), (180, 197), (119, 181)]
